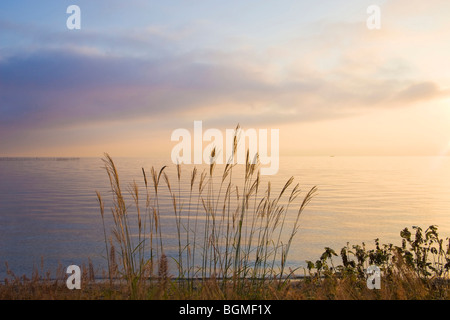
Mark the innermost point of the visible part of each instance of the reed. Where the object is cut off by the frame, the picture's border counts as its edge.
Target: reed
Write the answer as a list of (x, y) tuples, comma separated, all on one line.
[(228, 230)]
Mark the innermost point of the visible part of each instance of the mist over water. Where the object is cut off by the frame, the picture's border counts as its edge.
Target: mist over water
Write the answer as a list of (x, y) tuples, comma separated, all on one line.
[(49, 209)]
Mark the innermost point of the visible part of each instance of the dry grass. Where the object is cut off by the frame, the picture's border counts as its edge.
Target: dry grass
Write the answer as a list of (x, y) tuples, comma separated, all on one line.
[(330, 288), (400, 281), (237, 232)]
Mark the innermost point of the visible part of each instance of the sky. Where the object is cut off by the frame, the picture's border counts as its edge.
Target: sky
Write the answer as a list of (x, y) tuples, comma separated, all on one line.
[(138, 70)]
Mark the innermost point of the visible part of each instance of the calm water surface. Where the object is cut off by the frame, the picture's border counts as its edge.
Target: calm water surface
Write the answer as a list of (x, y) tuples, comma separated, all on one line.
[(49, 210)]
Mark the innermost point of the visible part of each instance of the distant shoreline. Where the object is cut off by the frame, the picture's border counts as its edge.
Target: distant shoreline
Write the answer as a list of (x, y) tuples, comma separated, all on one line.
[(39, 158)]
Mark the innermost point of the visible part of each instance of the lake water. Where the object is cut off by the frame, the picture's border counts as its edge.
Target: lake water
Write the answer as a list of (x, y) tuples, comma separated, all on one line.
[(49, 209)]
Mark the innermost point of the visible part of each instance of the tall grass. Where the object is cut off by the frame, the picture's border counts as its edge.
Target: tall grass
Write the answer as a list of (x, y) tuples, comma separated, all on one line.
[(233, 232), (404, 275)]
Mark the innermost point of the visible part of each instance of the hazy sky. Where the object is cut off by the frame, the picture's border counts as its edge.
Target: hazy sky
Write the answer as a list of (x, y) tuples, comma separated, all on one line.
[(137, 70)]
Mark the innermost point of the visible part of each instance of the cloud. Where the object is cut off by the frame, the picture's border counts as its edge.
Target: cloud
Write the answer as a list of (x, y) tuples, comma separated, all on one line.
[(419, 91), (60, 88), (167, 76)]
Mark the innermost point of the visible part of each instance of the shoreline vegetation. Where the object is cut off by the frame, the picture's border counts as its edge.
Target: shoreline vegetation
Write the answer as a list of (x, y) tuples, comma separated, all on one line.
[(232, 242)]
